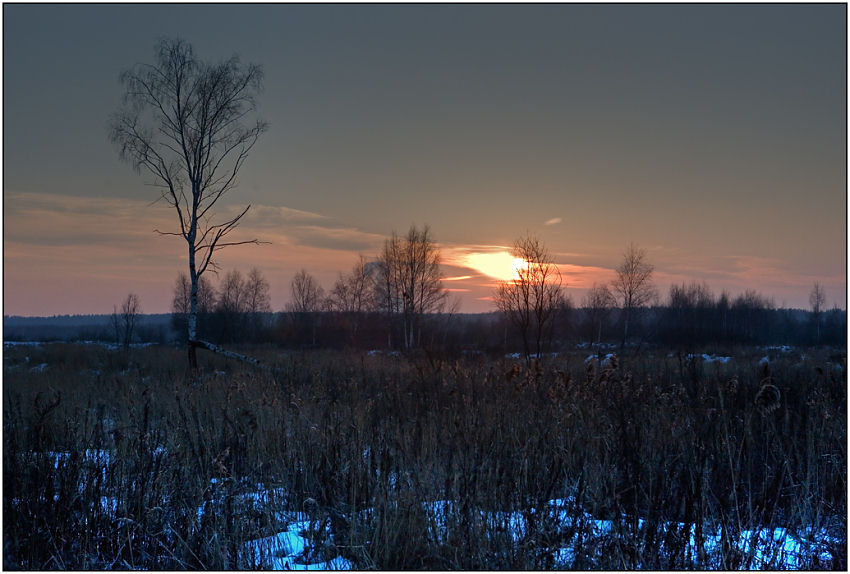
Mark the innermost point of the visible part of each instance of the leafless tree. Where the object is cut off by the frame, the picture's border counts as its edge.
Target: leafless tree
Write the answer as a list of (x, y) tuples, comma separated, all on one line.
[(817, 299), (308, 298), (307, 295), (409, 282), (633, 285), (257, 298), (230, 317), (352, 295), (232, 293), (183, 123), (124, 321), (598, 303), (533, 298), (257, 302)]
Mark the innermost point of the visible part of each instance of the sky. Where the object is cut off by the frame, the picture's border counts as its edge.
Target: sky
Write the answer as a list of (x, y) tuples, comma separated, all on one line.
[(712, 135)]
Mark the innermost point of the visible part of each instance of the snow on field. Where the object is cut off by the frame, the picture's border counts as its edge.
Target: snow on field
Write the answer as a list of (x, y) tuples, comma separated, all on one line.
[(531, 355), (706, 358), (380, 352), (93, 457), (606, 360), (307, 543), (760, 549), (111, 346), (292, 550), (780, 348), (715, 359)]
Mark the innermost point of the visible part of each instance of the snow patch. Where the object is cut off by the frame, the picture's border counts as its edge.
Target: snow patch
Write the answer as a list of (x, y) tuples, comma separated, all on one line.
[(292, 550), (606, 360), (706, 358)]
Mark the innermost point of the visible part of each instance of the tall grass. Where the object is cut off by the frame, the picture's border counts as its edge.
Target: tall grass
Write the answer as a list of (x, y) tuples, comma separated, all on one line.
[(114, 459)]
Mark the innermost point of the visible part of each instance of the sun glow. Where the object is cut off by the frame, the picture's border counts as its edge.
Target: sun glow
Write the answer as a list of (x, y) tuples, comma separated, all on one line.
[(501, 265)]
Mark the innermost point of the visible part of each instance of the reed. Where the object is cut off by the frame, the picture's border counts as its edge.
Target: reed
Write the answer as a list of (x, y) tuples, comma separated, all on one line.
[(112, 459)]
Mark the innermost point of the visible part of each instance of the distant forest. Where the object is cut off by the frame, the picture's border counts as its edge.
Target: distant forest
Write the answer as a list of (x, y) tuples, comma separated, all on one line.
[(677, 327), (152, 328)]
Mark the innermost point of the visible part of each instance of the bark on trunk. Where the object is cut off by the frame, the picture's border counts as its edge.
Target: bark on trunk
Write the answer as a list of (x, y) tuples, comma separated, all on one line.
[(192, 334), (230, 354)]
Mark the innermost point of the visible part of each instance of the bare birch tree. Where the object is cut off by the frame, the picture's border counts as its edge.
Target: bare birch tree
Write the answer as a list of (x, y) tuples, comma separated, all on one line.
[(257, 303), (307, 295), (533, 298), (232, 293), (633, 284), (124, 321), (308, 298), (352, 296), (409, 284), (257, 297), (352, 293), (184, 123), (231, 307)]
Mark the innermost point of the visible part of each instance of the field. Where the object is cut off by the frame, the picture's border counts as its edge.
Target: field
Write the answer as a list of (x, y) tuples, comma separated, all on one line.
[(651, 460)]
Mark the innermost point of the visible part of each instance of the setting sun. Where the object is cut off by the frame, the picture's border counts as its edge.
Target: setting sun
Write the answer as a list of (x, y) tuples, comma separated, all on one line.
[(502, 265)]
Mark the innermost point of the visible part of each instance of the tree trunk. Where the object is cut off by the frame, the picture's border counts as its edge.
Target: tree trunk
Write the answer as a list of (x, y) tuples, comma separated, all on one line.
[(193, 356), (192, 334), (230, 354)]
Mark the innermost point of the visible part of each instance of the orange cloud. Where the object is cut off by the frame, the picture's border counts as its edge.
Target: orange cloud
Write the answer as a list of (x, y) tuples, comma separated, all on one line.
[(72, 254)]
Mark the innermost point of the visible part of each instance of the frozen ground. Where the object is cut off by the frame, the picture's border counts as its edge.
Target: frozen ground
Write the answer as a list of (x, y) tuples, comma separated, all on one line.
[(306, 542), (765, 549)]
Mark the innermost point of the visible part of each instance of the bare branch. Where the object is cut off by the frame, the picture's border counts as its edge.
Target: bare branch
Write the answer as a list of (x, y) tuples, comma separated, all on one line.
[(182, 125)]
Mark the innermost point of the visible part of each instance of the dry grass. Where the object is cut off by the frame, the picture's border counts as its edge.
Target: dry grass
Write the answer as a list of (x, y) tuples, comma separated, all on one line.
[(113, 460)]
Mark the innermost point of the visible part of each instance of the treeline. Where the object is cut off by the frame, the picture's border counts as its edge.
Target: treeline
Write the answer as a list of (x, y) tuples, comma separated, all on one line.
[(694, 316), (150, 328), (688, 329), (397, 302), (743, 320)]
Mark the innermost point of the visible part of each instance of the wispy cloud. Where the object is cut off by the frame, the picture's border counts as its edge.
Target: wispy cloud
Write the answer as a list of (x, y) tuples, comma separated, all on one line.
[(66, 254), (59, 220), (265, 216), (61, 250), (583, 276), (303, 228), (81, 254), (553, 221)]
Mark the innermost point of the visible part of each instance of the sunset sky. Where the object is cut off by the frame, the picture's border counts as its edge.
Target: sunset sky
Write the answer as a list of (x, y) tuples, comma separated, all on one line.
[(712, 135)]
